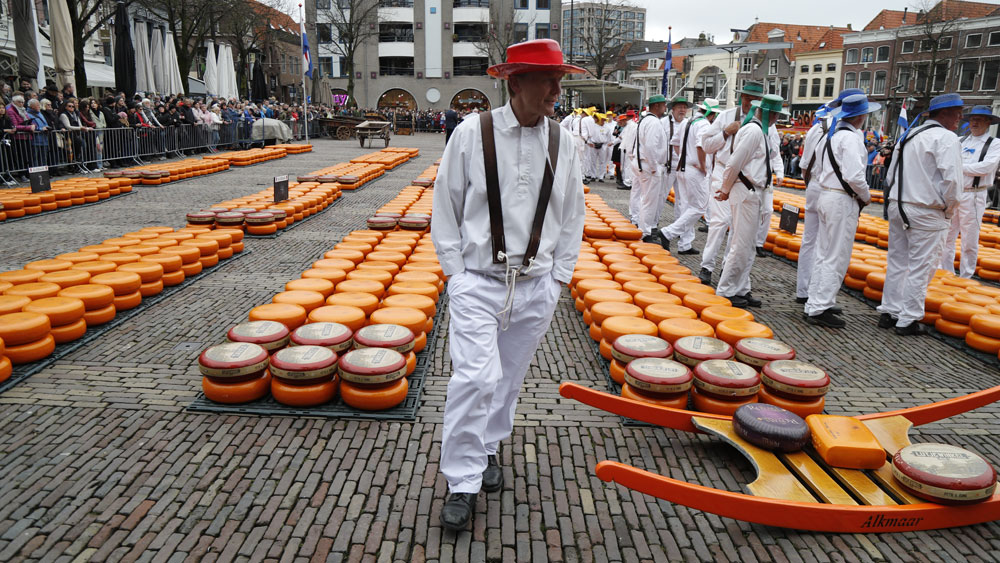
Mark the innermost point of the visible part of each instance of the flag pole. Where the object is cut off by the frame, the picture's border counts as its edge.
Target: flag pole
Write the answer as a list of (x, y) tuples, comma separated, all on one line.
[(302, 40)]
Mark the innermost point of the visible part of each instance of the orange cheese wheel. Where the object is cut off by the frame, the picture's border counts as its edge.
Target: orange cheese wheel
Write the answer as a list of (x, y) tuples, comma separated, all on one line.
[(148, 272), (957, 311), (974, 298), (799, 407), (351, 317), (376, 397), (604, 309), (934, 300), (309, 300), (318, 285), (122, 283), (584, 286), (422, 302), (717, 313), (392, 268), (678, 402), (66, 278), (6, 368), (595, 332), (61, 311), (77, 257), (69, 332), (669, 279), (982, 343), (4, 286), (13, 303), (860, 270), (614, 327), (332, 275), (188, 254), (94, 296), (732, 331), (625, 277), (95, 267), (417, 276), (31, 351), (957, 281), (700, 301), (413, 319), (208, 261), (128, 301), (23, 328), (222, 238), (580, 275), (986, 290), (646, 298), (171, 279), (603, 295), (206, 247), (617, 371), (101, 315), (364, 301), (237, 393), (621, 267), (289, 314), (659, 312), (876, 280), (101, 249), (17, 277), (52, 265), (431, 267), (704, 403), (150, 289), (381, 276), (673, 329), (303, 395), (355, 256), (985, 324), (34, 290), (930, 318), (638, 286), (120, 258), (168, 262), (414, 288), (951, 328), (362, 286), (681, 289)]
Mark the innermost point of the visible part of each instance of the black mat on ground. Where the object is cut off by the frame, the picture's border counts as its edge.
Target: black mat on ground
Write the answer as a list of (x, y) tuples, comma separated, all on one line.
[(70, 208), (405, 411), (25, 371)]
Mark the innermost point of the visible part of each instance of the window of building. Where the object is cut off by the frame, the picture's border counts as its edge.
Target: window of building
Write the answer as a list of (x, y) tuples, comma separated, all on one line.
[(831, 67), (542, 5), (783, 92), (967, 75), (906, 47), (803, 86), (343, 67), (746, 64), (772, 86), (850, 80), (994, 39), (852, 56), (903, 79), (520, 32), (828, 88), (543, 31), (944, 44), (483, 4), (865, 81), (522, 4), (392, 4), (395, 66), (772, 66), (804, 69), (324, 32), (397, 99), (882, 54), (470, 66), (989, 80), (920, 82), (868, 55), (878, 87), (322, 4), (325, 66), (395, 32), (814, 92), (817, 68), (469, 32), (973, 40), (940, 76)]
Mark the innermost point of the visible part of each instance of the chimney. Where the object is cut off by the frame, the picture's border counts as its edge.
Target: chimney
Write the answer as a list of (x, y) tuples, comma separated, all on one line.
[(904, 14), (848, 26)]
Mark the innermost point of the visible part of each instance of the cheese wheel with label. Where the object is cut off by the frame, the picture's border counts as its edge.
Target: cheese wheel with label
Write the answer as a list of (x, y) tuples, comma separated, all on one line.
[(392, 336), (291, 315), (844, 441), (726, 379), (30, 351), (794, 379), (307, 395), (235, 393), (733, 331), (374, 397), (944, 473), (233, 362), (692, 350), (658, 376), (757, 352), (269, 335), (304, 365), (372, 366), (770, 427), (335, 336), (634, 346)]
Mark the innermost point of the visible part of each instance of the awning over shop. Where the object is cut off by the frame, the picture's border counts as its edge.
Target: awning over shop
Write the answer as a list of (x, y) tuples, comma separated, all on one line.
[(98, 75), (602, 92)]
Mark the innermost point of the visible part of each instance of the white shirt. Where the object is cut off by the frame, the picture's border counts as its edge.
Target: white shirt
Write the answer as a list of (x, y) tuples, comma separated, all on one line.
[(972, 150), (932, 170), (595, 133), (714, 140), (849, 150), (627, 137), (670, 127), (809, 146), (652, 145), (461, 232), (694, 140), (749, 156)]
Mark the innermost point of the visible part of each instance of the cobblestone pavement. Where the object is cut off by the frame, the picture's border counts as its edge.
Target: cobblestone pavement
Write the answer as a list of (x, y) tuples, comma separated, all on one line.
[(101, 462)]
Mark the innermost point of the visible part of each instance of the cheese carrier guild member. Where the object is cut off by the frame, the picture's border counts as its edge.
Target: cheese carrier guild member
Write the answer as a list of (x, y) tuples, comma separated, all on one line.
[(508, 220), (980, 156), (924, 189)]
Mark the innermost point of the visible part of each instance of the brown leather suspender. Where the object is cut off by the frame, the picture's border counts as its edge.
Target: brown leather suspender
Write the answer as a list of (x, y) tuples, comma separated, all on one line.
[(493, 191)]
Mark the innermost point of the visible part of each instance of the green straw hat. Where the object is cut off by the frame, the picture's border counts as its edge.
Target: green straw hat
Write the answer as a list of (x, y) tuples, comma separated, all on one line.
[(655, 99), (751, 88)]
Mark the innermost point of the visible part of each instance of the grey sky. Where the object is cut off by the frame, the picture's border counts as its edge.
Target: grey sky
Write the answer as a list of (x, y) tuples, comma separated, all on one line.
[(718, 17)]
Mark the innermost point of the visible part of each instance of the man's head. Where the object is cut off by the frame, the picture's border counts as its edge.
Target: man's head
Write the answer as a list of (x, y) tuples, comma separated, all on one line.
[(538, 91), (750, 92), (855, 109), (980, 119), (657, 105), (25, 84), (34, 104), (946, 109), (679, 108)]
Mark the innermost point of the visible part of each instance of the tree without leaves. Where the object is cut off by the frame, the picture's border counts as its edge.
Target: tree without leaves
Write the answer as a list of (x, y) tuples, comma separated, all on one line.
[(353, 23), (934, 24), (246, 26), (86, 17), (191, 22), (501, 33), (602, 42)]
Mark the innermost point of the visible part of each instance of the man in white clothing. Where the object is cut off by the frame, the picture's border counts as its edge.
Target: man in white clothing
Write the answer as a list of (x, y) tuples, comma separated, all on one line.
[(980, 156), (627, 140), (810, 173), (584, 127), (674, 120), (691, 179), (648, 157), (597, 138), (508, 219), (744, 182), (924, 188), (718, 141), (843, 193)]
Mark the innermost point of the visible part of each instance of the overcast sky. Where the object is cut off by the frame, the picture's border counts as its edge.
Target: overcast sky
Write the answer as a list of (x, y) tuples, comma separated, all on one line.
[(718, 17)]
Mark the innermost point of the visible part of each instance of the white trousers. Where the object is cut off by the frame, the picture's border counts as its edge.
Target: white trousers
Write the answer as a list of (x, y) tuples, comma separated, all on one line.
[(675, 181), (766, 211), (627, 174), (651, 199), (810, 226), (695, 187), (912, 258), (488, 368), (605, 166), (746, 206), (838, 221), (720, 217), (966, 221), (592, 155)]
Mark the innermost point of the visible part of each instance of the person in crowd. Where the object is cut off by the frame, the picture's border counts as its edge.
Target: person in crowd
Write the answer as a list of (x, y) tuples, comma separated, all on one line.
[(597, 138), (71, 121), (980, 157), (96, 116), (870, 153), (746, 181), (502, 287), (844, 192), (691, 171), (450, 123), (626, 139), (24, 127), (923, 194), (25, 86), (675, 119), (215, 115), (648, 156), (5, 93), (59, 146), (40, 138)]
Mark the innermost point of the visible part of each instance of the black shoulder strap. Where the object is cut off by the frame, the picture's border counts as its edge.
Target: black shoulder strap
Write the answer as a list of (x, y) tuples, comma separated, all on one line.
[(682, 161), (670, 148), (982, 156), (836, 168), (492, 186), (807, 173), (543, 195), (899, 176)]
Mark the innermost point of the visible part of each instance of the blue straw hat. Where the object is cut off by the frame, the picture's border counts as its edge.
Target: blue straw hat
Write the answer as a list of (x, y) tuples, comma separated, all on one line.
[(853, 106), (945, 101), (982, 111)]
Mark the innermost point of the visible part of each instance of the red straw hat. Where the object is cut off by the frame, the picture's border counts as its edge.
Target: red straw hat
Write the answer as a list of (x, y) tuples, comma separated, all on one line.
[(539, 55)]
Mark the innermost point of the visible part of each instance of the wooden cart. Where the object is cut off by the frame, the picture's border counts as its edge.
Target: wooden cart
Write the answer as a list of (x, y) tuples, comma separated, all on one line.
[(340, 126), (368, 130)]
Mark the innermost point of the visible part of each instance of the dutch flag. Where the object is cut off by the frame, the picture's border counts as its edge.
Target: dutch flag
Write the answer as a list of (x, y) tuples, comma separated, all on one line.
[(902, 118), (307, 60)]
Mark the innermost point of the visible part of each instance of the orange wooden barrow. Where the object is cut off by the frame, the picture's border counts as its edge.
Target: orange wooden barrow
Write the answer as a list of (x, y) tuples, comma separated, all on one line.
[(798, 490)]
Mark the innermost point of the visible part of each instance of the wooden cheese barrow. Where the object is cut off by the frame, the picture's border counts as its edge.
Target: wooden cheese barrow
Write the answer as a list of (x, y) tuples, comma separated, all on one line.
[(798, 490)]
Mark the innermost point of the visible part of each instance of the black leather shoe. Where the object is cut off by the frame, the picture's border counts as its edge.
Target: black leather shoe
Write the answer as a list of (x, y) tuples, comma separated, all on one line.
[(885, 320), (761, 252), (690, 251), (912, 329), (665, 243), (738, 301), (621, 186), (836, 310), (703, 229), (650, 239), (493, 474), (586, 180), (801, 300), (827, 319), (706, 276), (752, 301), (457, 511)]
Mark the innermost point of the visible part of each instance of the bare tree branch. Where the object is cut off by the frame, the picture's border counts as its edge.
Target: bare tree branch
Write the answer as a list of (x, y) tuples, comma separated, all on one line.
[(602, 37), (352, 23)]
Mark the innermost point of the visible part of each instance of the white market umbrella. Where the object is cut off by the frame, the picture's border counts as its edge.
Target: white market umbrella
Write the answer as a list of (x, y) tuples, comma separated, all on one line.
[(159, 64), (231, 74), (143, 65), (222, 71), (61, 33), (172, 69), (211, 77)]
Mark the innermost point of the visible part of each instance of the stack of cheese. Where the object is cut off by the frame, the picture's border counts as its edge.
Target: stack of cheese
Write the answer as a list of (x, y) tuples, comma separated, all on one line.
[(257, 214), (602, 222), (249, 156), (19, 202), (389, 158), (166, 172), (345, 175), (294, 149)]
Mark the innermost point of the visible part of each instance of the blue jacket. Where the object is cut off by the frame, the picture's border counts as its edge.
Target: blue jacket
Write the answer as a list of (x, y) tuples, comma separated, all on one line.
[(41, 123)]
